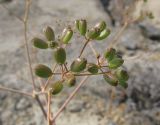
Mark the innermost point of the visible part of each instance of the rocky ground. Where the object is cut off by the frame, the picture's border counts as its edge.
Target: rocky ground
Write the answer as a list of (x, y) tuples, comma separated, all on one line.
[(138, 105)]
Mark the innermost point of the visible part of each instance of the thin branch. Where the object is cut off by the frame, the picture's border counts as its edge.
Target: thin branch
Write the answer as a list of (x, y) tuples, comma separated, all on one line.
[(93, 50), (41, 106), (15, 91), (27, 6), (49, 109), (87, 41), (70, 98)]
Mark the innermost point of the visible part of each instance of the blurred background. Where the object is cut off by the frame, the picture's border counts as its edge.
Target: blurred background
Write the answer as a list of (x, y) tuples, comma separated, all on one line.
[(96, 103)]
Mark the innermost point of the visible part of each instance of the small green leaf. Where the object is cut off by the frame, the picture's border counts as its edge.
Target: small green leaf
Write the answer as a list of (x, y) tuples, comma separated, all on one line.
[(78, 65), (93, 33), (104, 34), (60, 55), (49, 33), (43, 71), (70, 81), (56, 87), (110, 54), (115, 63), (92, 68), (67, 35), (82, 27), (39, 43), (122, 75), (101, 26), (112, 80)]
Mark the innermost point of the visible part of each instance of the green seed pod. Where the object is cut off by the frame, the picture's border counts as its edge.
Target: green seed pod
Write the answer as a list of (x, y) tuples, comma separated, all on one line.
[(52, 44), (70, 81), (115, 63), (77, 24), (110, 54), (92, 68), (104, 34), (39, 43), (56, 87), (49, 33), (122, 75), (93, 33), (60, 55), (82, 27), (78, 65), (101, 26), (43, 71), (67, 35), (112, 80)]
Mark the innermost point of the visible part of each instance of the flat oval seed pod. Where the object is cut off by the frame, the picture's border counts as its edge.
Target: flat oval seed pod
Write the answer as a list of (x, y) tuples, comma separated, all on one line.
[(83, 27), (43, 71), (104, 34), (101, 26), (110, 54), (52, 44), (39, 43), (78, 65), (122, 75), (56, 87), (60, 55), (110, 79), (92, 68), (67, 35), (70, 81), (49, 33), (115, 63), (93, 33)]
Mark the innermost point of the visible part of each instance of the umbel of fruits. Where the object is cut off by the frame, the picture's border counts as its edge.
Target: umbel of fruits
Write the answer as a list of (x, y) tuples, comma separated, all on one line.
[(78, 65), (110, 79), (60, 55), (70, 80), (56, 87), (81, 26), (66, 35), (43, 71), (92, 68), (49, 33), (39, 43)]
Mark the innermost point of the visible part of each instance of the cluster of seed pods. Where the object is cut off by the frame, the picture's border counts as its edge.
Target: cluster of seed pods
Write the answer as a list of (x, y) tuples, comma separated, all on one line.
[(115, 75)]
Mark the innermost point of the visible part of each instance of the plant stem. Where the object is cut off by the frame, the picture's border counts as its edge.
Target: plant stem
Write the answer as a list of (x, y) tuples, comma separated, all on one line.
[(27, 8), (49, 109), (70, 98), (15, 91), (87, 41)]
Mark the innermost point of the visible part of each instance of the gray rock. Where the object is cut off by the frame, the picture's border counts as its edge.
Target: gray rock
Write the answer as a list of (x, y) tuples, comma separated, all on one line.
[(22, 104), (76, 106)]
